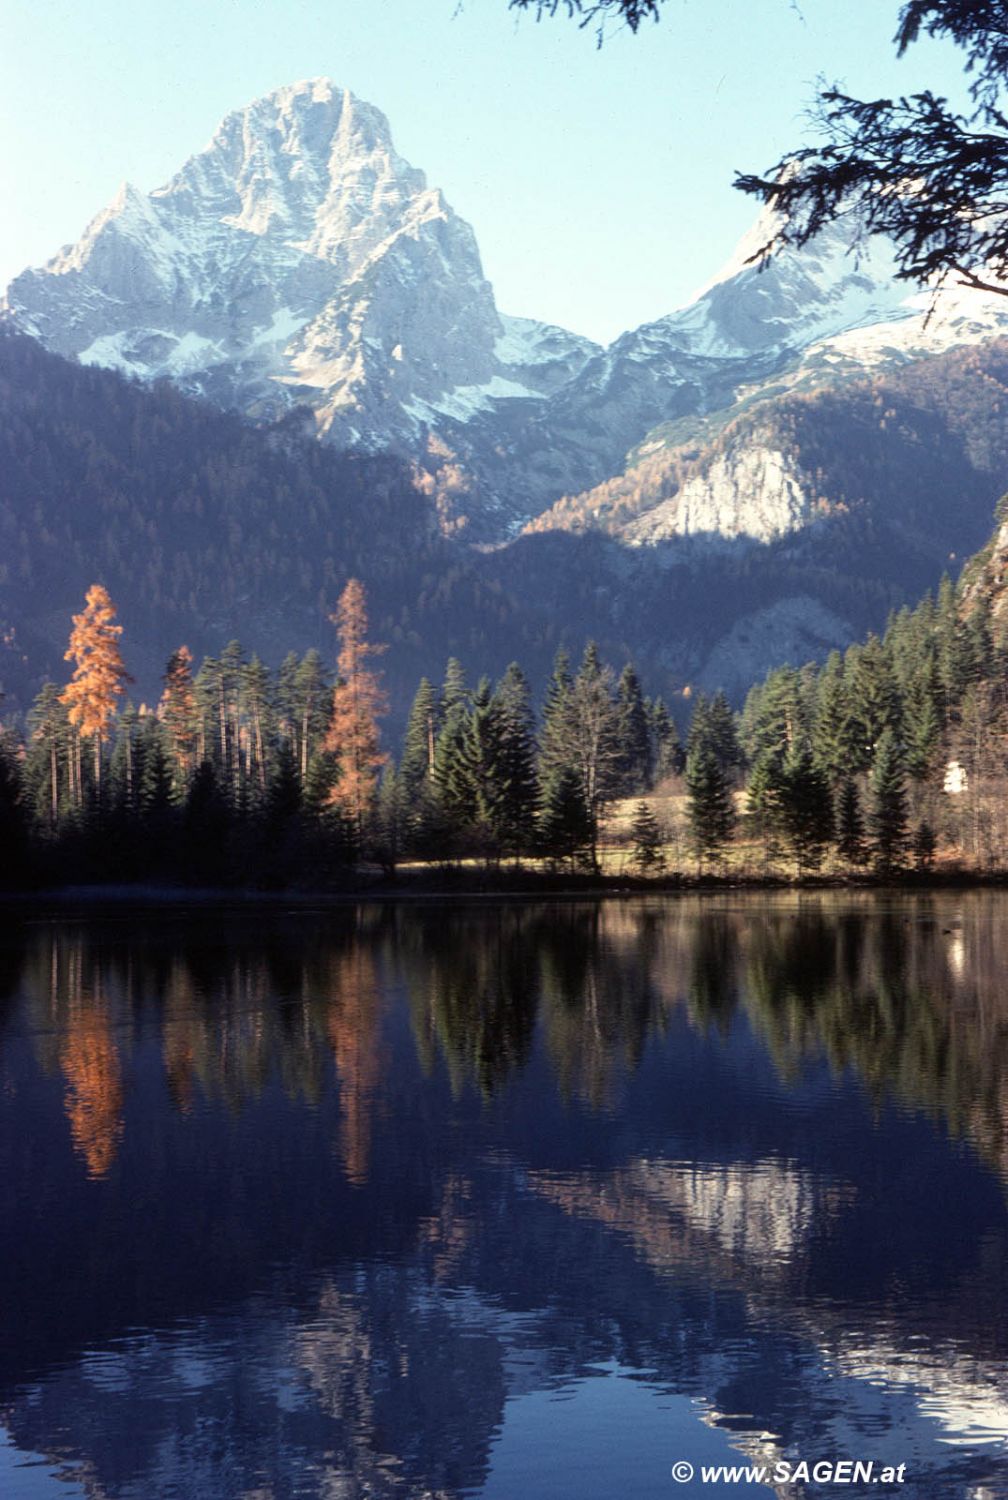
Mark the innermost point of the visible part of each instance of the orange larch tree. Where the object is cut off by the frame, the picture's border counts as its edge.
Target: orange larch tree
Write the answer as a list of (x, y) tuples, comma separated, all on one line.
[(98, 676), (358, 701)]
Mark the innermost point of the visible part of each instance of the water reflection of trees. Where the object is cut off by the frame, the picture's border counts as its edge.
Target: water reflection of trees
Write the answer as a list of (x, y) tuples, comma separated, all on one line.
[(907, 995)]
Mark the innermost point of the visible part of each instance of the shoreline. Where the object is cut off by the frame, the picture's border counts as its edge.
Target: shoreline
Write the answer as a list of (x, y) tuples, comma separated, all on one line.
[(521, 885)]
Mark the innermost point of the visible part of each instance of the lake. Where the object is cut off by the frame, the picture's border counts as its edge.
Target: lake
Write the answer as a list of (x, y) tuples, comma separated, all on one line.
[(509, 1200)]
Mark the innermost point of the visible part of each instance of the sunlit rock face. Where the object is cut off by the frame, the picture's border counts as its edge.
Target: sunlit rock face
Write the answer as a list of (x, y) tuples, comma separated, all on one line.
[(298, 261)]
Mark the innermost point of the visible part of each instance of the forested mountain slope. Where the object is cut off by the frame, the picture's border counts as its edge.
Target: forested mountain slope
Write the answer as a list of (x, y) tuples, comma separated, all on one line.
[(204, 528)]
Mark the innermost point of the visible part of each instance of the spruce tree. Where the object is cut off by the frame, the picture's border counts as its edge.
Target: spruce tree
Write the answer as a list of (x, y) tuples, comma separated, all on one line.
[(554, 746), (873, 699), (710, 808), (632, 729), (417, 764), (46, 755), (516, 790), (924, 845), (647, 855), (806, 810), (667, 755), (834, 735), (850, 824), (565, 826), (764, 794), (888, 815), (922, 718)]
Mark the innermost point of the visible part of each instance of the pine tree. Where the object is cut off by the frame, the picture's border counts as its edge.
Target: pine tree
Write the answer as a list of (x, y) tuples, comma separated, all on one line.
[(667, 755), (922, 718), (256, 697), (229, 687), (710, 808), (284, 794), (565, 826), (98, 676), (722, 734), (634, 767), (647, 855), (358, 700), (516, 790), (873, 699), (554, 746), (835, 733), (924, 845), (46, 754), (850, 824), (590, 729), (389, 819), (178, 713), (773, 719), (157, 785), (417, 765), (304, 694), (764, 796), (888, 817), (806, 810)]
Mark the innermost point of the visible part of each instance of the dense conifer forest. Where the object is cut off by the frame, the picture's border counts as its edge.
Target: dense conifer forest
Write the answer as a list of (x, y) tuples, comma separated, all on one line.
[(881, 761)]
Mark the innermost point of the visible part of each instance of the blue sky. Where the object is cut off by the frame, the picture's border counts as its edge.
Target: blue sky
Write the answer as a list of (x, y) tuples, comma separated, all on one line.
[(598, 180)]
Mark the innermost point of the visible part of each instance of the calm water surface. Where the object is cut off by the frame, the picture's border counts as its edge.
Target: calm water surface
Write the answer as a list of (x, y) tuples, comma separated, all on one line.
[(504, 1200)]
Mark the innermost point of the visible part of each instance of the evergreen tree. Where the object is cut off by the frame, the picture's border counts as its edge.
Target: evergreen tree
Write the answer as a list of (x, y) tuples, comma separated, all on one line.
[(710, 808), (773, 719), (554, 747), (157, 784), (389, 819), (835, 733), (46, 754), (850, 824), (806, 810), (178, 713), (591, 732), (634, 769), (450, 784), (647, 855), (922, 718), (873, 699), (667, 756), (516, 792), (888, 816), (305, 696), (284, 792), (565, 827), (421, 734), (764, 797), (924, 845), (258, 712)]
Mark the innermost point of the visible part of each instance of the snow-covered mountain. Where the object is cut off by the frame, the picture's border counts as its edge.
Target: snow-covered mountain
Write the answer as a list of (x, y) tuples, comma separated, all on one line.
[(298, 261)]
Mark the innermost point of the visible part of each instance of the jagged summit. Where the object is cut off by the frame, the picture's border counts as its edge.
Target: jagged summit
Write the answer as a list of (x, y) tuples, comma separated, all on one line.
[(297, 260)]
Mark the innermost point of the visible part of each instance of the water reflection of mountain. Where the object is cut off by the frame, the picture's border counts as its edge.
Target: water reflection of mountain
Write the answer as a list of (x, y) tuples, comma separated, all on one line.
[(304, 1203)]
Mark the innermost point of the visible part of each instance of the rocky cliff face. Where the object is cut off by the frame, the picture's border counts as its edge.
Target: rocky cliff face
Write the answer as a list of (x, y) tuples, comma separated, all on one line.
[(298, 261)]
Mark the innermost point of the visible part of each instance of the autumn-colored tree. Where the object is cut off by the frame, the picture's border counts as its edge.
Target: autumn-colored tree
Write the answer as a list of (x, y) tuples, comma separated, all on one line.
[(98, 675), (177, 711), (358, 700)]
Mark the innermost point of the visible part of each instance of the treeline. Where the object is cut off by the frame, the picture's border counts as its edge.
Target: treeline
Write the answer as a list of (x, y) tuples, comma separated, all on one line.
[(243, 775), (878, 760), (885, 753)]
